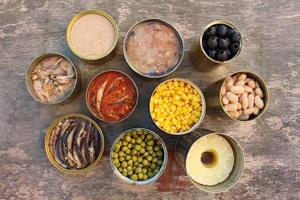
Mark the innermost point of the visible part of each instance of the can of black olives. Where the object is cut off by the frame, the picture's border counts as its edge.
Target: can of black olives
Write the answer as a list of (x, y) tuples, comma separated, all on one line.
[(200, 59), (183, 146)]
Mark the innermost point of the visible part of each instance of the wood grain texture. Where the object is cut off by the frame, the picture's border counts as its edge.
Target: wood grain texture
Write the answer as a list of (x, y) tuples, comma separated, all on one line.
[(271, 40)]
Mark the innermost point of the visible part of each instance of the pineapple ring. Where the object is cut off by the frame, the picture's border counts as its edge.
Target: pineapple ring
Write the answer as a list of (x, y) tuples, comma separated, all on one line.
[(221, 160)]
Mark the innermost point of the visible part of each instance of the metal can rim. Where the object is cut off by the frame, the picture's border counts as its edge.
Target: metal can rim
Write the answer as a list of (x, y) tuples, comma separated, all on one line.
[(92, 11), (263, 85), (228, 23), (47, 148), (137, 95), (179, 37), (203, 102), (148, 181), (38, 59)]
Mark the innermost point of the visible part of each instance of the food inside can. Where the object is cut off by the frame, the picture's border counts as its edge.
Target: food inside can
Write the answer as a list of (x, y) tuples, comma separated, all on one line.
[(112, 96), (92, 36), (53, 78), (153, 48), (138, 155), (210, 160), (221, 42), (175, 106), (74, 143), (242, 97)]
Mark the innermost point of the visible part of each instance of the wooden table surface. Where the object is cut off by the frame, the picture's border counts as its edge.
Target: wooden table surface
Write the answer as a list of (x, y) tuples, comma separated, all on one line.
[(271, 41)]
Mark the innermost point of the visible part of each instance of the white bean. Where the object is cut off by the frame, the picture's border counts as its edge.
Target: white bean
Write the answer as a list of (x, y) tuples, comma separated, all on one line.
[(229, 83), (240, 83), (237, 89), (247, 80), (248, 111), (225, 101), (245, 101), (257, 84), (258, 102), (256, 110), (239, 106), (250, 101), (243, 117), (232, 97), (234, 114), (248, 89), (259, 92), (242, 77), (230, 107), (223, 90), (251, 84)]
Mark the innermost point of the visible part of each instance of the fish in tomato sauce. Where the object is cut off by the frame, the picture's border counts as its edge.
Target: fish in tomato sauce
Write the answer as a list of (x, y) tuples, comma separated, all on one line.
[(112, 96)]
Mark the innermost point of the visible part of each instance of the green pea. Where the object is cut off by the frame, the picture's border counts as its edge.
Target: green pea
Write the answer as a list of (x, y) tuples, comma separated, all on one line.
[(133, 167), (153, 166), (143, 136), (145, 162), (146, 153), (159, 153), (128, 151), (150, 142), (125, 143), (121, 153), (140, 165), (120, 169), (138, 170), (156, 148), (153, 154), (132, 141), (154, 160), (135, 163), (127, 138), (140, 159), (145, 177), (143, 150), (121, 158), (143, 144), (117, 164), (130, 162), (128, 157), (149, 136), (144, 171), (124, 164), (137, 147), (160, 162), (134, 177), (149, 158), (129, 145), (150, 174), (140, 176), (149, 148), (124, 169), (134, 152), (115, 155), (129, 168), (134, 158), (124, 148), (155, 171), (130, 172)]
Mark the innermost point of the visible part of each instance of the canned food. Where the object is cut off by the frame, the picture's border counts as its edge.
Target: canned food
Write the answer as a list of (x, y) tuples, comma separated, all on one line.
[(213, 162), (74, 143), (138, 156), (112, 96), (52, 78), (153, 48), (177, 106), (92, 34), (240, 106), (204, 58)]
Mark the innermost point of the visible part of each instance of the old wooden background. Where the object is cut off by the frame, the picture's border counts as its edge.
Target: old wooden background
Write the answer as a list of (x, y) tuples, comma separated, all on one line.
[(271, 33)]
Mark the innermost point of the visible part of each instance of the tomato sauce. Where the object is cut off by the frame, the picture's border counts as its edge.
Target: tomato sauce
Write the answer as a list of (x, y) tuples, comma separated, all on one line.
[(112, 96)]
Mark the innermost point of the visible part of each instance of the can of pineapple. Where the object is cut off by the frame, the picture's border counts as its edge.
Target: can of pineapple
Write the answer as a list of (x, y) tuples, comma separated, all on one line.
[(208, 153)]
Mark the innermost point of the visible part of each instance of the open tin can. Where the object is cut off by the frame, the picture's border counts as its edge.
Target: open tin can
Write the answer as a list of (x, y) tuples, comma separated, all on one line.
[(199, 57), (29, 81), (214, 97), (162, 23), (183, 146), (50, 138), (141, 182), (89, 103), (203, 104), (97, 12)]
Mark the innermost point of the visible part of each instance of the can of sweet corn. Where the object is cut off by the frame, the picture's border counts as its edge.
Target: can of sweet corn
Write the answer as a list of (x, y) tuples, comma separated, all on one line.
[(183, 146), (213, 95), (202, 102)]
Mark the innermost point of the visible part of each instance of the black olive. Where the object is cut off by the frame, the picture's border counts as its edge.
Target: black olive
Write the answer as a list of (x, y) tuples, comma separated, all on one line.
[(212, 42), (222, 55), (211, 53), (234, 48), (235, 37), (222, 30), (223, 44)]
